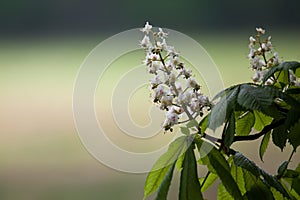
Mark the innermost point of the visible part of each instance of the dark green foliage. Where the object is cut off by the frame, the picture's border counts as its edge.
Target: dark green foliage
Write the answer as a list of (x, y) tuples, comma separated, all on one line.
[(247, 112), (279, 136), (189, 183), (264, 144)]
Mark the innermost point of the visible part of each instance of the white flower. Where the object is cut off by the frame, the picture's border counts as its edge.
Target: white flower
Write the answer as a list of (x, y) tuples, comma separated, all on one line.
[(203, 99), (252, 53), (145, 42), (269, 82), (257, 62), (166, 101), (192, 83), (162, 34), (147, 28), (260, 30), (178, 86), (154, 57), (258, 76), (187, 73), (172, 77), (171, 118), (185, 98), (155, 81), (275, 58), (252, 40), (158, 93), (292, 76), (171, 51), (195, 105), (155, 65)]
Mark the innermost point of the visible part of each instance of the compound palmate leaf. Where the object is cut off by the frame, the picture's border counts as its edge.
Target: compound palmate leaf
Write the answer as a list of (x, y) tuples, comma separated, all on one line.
[(220, 166), (223, 108), (284, 66), (189, 183), (240, 160), (264, 144), (254, 98), (162, 167), (211, 178), (162, 192), (244, 122)]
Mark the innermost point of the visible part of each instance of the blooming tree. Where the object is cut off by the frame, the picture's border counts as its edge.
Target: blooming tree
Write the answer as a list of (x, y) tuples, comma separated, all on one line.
[(268, 106)]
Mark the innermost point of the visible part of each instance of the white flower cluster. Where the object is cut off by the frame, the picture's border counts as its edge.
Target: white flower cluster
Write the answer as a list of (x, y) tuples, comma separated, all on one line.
[(261, 56), (173, 87)]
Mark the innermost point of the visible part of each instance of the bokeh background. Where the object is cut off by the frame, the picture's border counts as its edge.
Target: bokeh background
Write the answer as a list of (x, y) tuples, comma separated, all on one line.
[(42, 45)]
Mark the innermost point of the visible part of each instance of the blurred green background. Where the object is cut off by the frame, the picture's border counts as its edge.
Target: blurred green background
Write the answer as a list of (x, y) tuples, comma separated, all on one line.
[(42, 45)]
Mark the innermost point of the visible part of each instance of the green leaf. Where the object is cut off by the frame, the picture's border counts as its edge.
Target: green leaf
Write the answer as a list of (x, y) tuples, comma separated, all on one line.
[(294, 135), (249, 165), (185, 130), (218, 162), (223, 194), (162, 166), (180, 161), (282, 66), (189, 183), (220, 166), (209, 181), (264, 145), (296, 185), (223, 108), (282, 168), (240, 160), (277, 195), (250, 179), (244, 123), (291, 174), (230, 131), (163, 190), (254, 98), (204, 123), (237, 174), (192, 123), (261, 120), (279, 136), (259, 191)]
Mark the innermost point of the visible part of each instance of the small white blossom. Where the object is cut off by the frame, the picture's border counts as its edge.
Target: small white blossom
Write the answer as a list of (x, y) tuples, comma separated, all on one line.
[(154, 57), (158, 93), (145, 42), (173, 87), (252, 53), (269, 82), (275, 58), (147, 28), (162, 34), (260, 30), (155, 81), (187, 73), (293, 78), (192, 83), (252, 40), (155, 65), (195, 105), (257, 62), (203, 99), (166, 101)]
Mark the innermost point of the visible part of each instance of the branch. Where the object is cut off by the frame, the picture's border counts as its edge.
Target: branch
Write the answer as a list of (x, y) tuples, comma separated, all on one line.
[(255, 136), (265, 130)]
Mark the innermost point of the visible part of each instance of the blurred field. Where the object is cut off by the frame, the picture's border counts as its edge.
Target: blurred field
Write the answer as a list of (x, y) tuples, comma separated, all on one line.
[(41, 156)]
